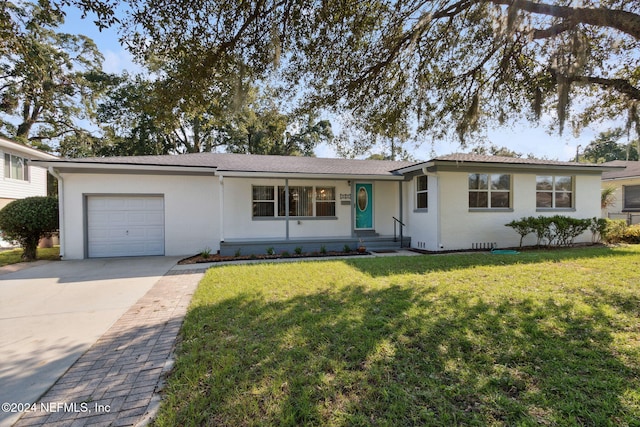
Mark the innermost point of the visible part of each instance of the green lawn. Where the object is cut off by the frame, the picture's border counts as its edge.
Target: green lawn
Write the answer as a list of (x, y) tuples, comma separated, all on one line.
[(540, 338), (13, 256)]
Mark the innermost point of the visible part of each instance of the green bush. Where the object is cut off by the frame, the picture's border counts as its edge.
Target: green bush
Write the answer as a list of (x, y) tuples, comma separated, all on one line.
[(28, 220), (554, 230), (598, 228), (615, 229), (631, 234)]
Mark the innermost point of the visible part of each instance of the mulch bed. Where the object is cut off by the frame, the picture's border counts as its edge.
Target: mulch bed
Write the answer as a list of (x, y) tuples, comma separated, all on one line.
[(200, 259)]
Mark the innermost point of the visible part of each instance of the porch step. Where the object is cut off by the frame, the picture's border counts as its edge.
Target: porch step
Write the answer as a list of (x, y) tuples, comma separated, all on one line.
[(385, 243), (361, 234)]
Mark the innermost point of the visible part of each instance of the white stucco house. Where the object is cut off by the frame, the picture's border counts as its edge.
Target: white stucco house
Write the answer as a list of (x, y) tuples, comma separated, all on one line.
[(20, 177), (180, 205), (626, 182)]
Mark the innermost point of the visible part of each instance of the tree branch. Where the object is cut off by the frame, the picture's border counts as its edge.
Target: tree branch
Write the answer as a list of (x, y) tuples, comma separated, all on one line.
[(626, 22)]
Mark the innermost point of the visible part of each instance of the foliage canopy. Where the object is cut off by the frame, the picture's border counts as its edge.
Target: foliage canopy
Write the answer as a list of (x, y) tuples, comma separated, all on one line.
[(454, 67)]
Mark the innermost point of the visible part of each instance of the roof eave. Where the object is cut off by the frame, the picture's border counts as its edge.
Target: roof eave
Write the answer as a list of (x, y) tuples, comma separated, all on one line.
[(301, 175), (86, 167)]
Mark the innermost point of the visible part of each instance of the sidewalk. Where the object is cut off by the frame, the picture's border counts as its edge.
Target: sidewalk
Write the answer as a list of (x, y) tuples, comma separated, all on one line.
[(115, 383)]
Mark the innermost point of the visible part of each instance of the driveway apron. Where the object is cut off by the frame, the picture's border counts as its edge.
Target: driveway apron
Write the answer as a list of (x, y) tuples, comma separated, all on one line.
[(51, 314)]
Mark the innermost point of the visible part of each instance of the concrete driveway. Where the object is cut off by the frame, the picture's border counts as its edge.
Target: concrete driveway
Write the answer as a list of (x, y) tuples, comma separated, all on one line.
[(52, 313)]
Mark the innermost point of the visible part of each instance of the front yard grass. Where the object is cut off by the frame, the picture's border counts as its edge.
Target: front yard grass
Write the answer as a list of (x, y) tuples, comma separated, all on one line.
[(13, 256), (540, 338)]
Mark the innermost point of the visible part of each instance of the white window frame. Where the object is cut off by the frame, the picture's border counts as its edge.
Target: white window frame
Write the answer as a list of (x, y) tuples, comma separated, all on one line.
[(8, 167)]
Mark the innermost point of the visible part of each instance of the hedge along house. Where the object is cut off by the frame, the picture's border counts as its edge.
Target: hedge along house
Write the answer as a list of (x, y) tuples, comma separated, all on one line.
[(184, 204)]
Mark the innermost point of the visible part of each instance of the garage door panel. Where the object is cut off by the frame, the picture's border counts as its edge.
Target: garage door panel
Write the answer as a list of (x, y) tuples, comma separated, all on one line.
[(125, 226)]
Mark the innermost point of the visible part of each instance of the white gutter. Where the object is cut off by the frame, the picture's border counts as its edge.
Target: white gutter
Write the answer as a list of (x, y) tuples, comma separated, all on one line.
[(55, 173)]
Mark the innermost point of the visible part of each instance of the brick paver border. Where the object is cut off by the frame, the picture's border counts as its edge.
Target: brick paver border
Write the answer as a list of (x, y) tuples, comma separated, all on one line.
[(117, 381)]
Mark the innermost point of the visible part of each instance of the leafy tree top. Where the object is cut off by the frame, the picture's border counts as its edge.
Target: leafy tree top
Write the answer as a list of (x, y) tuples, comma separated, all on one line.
[(455, 67)]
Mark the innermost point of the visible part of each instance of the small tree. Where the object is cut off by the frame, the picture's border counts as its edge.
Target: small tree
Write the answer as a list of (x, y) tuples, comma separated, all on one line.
[(28, 220)]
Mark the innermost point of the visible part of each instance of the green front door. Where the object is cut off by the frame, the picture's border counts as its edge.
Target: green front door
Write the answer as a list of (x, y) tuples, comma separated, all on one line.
[(364, 206)]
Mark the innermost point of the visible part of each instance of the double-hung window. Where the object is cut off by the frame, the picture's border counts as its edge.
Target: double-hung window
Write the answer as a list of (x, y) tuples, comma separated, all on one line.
[(301, 201), (554, 192), (264, 201), (421, 193), (16, 167), (325, 201), (489, 191)]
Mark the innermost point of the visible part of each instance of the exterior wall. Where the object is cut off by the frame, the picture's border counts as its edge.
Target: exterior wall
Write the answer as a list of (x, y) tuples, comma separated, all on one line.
[(422, 224), (238, 223), (618, 204), (191, 208), (12, 189), (462, 228)]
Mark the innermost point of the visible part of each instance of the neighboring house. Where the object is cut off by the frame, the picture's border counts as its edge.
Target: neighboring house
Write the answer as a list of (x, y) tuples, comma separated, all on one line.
[(626, 199), (20, 178), (181, 205)]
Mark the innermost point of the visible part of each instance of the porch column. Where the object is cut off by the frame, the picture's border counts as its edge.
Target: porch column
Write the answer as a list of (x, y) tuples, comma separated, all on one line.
[(221, 204), (286, 207), (400, 212)]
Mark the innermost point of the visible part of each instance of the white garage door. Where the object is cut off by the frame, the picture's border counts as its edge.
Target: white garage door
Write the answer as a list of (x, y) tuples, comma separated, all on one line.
[(125, 226)]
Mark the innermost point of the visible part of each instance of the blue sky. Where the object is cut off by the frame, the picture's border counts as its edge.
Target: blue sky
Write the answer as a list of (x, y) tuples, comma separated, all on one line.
[(523, 138)]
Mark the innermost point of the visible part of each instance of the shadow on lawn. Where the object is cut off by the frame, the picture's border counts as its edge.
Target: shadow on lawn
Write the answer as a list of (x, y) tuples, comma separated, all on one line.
[(398, 357), (375, 267)]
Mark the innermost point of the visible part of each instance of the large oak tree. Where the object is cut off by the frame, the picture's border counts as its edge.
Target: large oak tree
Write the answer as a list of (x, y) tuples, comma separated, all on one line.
[(49, 80), (453, 67)]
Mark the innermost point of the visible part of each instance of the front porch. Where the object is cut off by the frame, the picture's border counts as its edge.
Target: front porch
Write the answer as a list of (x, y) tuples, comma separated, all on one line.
[(372, 242)]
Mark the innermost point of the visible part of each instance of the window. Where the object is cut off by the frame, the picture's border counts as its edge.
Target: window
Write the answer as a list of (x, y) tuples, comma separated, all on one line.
[(554, 192), (325, 201), (16, 167), (263, 201), (302, 201), (421, 192), (631, 197), (489, 190)]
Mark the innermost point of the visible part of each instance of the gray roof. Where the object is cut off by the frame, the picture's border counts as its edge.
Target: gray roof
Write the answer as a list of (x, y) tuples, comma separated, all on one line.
[(251, 164), (631, 170), (481, 158), (226, 162)]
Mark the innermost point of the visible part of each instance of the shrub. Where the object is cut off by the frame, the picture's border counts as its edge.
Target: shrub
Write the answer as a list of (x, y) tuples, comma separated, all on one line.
[(598, 228), (522, 227), (560, 230), (28, 220), (631, 234), (614, 232)]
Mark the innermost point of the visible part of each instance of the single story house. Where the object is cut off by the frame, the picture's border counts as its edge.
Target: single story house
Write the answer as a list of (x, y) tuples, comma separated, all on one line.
[(626, 182), (238, 203), (20, 178)]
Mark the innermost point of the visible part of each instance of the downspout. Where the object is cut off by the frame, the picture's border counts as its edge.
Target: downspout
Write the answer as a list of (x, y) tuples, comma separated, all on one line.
[(56, 175)]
